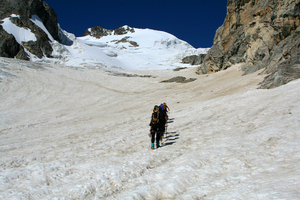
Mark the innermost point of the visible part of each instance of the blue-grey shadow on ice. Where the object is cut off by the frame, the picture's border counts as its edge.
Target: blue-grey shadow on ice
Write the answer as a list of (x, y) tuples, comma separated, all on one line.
[(170, 138), (171, 120)]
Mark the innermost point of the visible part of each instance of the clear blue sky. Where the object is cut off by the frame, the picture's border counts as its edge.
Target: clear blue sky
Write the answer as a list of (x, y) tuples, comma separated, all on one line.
[(194, 21)]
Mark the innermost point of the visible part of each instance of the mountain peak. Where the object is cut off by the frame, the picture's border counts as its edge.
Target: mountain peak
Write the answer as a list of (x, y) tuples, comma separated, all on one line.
[(124, 30), (98, 31)]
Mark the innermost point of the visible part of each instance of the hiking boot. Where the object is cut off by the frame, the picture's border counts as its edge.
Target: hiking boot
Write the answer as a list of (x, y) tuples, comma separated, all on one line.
[(152, 145), (152, 148), (157, 145)]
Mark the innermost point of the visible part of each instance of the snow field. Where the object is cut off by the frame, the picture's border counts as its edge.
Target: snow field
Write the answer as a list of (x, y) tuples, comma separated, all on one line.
[(83, 134)]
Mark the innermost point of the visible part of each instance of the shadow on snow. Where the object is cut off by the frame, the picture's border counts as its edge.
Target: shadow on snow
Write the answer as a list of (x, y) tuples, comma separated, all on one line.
[(170, 138)]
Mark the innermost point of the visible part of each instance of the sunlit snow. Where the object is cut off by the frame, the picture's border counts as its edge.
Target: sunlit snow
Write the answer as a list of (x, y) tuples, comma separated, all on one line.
[(83, 134), (35, 19), (151, 49)]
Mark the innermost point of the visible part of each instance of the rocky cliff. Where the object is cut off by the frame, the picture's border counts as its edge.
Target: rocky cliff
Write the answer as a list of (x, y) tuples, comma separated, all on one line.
[(24, 11), (261, 34)]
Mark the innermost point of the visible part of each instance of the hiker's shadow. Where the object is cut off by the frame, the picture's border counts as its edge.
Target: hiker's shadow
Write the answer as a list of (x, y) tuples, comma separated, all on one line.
[(171, 138), (171, 120)]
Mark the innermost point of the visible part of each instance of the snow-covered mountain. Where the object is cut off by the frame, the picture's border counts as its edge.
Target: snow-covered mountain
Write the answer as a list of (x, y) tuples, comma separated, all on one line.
[(138, 49), (134, 50), (29, 31)]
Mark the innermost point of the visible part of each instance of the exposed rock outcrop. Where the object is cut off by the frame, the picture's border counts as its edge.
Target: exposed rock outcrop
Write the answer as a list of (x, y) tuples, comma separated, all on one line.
[(262, 34), (98, 31), (179, 79), (8, 45), (123, 30), (25, 9), (194, 59)]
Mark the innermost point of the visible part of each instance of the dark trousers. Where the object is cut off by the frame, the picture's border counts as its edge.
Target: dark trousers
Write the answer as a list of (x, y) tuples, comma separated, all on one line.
[(155, 132)]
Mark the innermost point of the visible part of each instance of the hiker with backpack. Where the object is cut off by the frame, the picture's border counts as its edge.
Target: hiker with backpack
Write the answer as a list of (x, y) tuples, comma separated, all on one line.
[(165, 117), (165, 109), (156, 123)]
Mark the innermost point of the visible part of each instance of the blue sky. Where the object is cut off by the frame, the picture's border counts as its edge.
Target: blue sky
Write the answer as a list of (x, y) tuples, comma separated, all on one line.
[(194, 21)]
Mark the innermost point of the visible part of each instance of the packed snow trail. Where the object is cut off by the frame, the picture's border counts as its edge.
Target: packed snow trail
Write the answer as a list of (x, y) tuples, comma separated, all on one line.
[(69, 133)]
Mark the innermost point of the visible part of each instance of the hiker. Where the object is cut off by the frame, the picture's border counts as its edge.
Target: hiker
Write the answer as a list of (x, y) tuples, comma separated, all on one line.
[(156, 124), (164, 109)]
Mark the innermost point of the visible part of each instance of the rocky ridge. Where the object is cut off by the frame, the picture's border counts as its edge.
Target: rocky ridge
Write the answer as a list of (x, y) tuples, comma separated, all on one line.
[(261, 34), (98, 31)]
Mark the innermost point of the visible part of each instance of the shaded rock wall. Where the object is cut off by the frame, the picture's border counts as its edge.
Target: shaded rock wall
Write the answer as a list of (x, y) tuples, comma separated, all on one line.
[(26, 9), (262, 34)]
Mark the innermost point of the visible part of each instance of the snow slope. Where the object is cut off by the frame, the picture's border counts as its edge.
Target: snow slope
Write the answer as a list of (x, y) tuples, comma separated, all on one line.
[(83, 134)]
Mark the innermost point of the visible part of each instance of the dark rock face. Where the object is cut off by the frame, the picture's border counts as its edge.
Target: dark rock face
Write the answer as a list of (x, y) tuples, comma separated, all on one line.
[(194, 59), (97, 32), (26, 9), (284, 63), (8, 45), (262, 34), (123, 30)]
